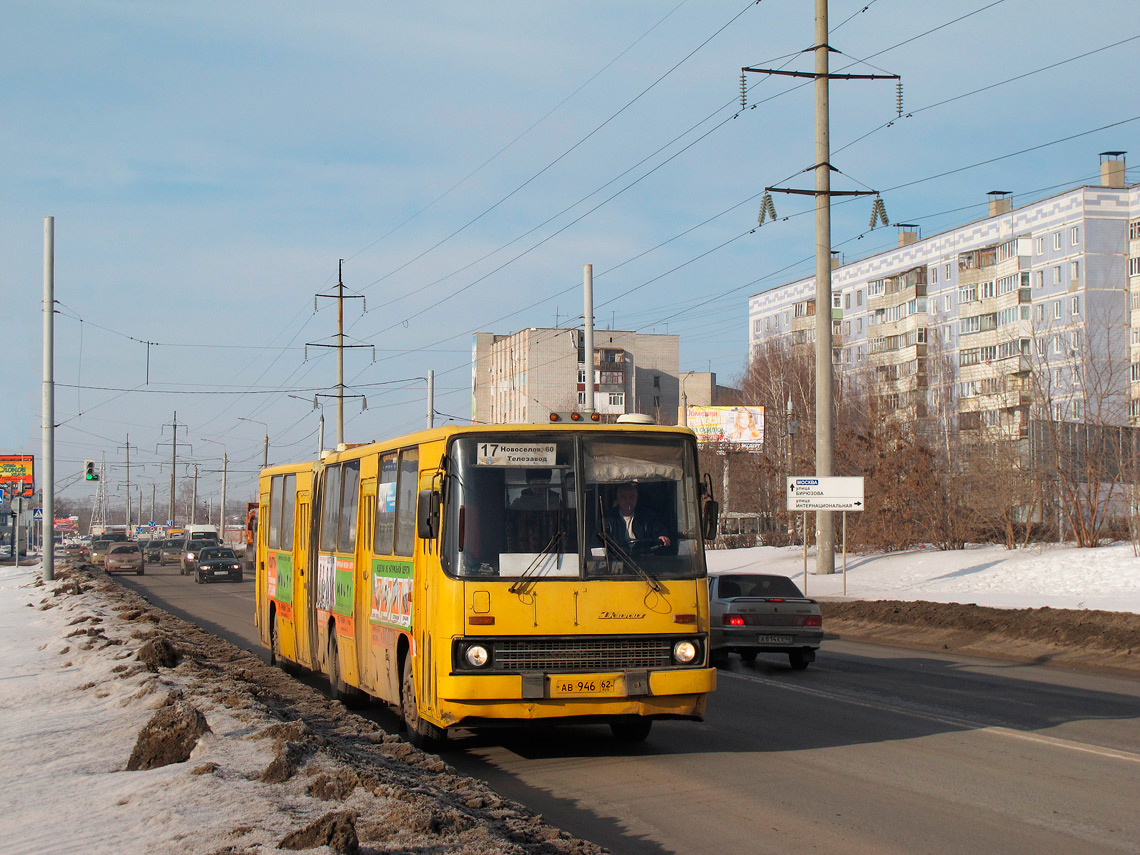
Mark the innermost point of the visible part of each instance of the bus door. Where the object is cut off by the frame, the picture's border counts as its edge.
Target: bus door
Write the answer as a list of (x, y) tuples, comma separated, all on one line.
[(368, 653), (303, 618)]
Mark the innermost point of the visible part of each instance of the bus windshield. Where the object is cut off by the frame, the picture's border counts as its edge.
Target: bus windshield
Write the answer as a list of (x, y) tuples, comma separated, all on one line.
[(572, 506)]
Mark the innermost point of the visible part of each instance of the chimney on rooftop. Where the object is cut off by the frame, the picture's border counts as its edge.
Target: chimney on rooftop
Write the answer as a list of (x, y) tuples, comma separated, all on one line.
[(1001, 202), (834, 259), (908, 233), (1112, 168)]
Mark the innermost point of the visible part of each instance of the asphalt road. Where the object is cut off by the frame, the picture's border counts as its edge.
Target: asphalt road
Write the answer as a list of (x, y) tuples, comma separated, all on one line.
[(871, 750)]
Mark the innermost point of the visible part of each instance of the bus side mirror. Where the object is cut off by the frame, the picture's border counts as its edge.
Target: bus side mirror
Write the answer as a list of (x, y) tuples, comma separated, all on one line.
[(710, 515), (427, 515)]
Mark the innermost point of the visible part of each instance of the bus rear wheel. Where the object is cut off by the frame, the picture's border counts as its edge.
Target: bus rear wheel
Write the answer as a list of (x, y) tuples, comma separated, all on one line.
[(422, 734)]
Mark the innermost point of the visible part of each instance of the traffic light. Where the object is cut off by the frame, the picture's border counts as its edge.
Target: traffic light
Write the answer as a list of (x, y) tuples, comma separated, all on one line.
[(89, 470)]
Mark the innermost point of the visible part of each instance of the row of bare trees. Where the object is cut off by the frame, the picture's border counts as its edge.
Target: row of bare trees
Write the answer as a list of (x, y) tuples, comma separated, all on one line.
[(931, 478)]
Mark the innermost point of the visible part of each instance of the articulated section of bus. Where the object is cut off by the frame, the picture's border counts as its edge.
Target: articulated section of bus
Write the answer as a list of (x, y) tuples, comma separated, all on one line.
[(571, 580)]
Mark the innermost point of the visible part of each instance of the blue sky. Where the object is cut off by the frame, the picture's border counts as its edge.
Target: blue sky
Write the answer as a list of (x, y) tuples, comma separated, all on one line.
[(208, 164)]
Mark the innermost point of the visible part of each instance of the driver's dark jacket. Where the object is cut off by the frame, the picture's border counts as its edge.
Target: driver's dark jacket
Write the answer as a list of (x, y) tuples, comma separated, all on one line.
[(647, 527)]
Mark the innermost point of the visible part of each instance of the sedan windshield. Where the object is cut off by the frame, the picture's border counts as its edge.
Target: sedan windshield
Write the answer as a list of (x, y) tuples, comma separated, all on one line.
[(216, 553), (569, 506)]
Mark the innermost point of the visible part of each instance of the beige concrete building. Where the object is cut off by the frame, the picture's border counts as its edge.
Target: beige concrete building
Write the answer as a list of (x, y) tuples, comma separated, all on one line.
[(523, 377)]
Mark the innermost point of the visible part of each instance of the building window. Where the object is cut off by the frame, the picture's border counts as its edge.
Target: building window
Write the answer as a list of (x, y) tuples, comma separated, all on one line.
[(1134, 266), (933, 275), (755, 331), (987, 289), (1056, 240), (858, 325), (1074, 341), (1076, 307), (836, 300), (947, 271), (947, 303), (617, 399), (859, 298), (1074, 236), (1136, 372), (1076, 271), (1057, 274), (1040, 313), (582, 375), (847, 301), (581, 399), (1039, 275), (1057, 310), (1040, 245)]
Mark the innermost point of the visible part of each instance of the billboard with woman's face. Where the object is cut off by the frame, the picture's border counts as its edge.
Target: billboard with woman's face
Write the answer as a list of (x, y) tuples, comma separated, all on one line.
[(737, 425)]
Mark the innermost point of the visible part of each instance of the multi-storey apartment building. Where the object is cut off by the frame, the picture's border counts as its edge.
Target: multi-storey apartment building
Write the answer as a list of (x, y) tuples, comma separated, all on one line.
[(1038, 303), (525, 376)]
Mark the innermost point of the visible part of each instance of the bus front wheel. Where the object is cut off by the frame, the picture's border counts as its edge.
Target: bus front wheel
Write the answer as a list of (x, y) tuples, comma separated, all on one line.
[(422, 734), (631, 729)]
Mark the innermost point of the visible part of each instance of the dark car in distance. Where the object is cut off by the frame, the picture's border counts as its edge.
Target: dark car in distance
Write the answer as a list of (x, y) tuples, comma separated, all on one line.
[(752, 613), (152, 550), (218, 562)]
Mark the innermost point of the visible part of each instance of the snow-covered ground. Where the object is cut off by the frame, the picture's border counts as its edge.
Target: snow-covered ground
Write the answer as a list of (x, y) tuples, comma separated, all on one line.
[(68, 721), (1062, 577)]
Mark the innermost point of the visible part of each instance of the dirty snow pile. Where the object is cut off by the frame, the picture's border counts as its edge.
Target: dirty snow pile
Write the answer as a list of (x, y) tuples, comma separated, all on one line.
[(124, 730), (1058, 576)]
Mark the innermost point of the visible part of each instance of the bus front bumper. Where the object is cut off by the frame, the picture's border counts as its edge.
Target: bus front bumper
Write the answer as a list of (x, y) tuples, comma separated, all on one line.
[(678, 693)]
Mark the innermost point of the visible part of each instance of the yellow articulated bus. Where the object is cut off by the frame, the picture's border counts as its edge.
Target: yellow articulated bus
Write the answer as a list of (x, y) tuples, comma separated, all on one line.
[(473, 576)]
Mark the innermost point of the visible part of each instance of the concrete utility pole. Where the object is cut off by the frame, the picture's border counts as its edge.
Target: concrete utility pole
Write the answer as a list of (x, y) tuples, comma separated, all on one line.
[(128, 448), (48, 441), (588, 335), (194, 498), (824, 371), (340, 346)]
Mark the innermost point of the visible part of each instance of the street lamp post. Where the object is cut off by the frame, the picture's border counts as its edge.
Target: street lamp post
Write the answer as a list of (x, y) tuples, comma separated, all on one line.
[(225, 467), (685, 400), (265, 451)]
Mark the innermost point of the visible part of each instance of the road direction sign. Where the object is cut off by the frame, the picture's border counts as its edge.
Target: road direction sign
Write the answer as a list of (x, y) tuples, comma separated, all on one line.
[(825, 494)]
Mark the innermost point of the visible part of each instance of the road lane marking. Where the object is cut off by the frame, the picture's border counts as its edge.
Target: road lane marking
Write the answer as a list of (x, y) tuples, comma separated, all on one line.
[(941, 718)]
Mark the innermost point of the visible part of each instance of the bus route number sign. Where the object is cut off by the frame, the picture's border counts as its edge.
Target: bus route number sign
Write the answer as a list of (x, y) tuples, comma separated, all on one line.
[(516, 454)]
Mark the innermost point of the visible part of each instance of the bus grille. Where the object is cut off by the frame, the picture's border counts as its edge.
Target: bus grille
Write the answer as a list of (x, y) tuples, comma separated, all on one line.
[(578, 654)]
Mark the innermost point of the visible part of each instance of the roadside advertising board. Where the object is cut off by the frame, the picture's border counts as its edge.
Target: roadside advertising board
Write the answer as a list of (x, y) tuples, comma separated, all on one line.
[(17, 470), (739, 425)]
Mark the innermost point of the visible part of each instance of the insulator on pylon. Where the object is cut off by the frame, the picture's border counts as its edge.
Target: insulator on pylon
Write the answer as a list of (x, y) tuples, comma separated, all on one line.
[(879, 212), (767, 209), (899, 97), (743, 91)]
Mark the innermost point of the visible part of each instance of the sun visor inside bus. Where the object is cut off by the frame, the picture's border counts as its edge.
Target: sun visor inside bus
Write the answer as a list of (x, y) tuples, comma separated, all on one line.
[(610, 462)]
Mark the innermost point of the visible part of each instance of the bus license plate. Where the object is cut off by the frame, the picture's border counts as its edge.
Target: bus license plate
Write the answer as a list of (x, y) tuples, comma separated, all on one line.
[(593, 684), (774, 639)]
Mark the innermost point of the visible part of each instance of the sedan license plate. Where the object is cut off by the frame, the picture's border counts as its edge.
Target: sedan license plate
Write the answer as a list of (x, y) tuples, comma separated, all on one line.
[(221, 572), (773, 639), (600, 685)]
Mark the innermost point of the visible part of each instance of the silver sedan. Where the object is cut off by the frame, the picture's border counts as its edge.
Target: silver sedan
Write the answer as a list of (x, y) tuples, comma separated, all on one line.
[(755, 613)]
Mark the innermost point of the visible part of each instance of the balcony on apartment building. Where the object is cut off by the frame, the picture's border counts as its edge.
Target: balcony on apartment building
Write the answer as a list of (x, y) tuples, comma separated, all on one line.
[(892, 291)]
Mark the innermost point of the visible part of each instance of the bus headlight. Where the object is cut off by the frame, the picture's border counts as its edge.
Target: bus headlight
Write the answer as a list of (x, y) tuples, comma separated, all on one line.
[(476, 655), (684, 652)]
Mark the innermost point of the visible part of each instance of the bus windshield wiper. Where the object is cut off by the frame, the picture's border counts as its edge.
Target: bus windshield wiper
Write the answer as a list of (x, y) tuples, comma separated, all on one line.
[(610, 543), (551, 546), (527, 575)]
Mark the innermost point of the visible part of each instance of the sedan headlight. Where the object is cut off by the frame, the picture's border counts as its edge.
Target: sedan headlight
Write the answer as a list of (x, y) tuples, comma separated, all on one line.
[(684, 652), (477, 655)]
